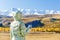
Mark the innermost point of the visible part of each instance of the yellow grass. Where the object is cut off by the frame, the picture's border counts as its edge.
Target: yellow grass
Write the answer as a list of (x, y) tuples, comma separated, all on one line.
[(41, 36)]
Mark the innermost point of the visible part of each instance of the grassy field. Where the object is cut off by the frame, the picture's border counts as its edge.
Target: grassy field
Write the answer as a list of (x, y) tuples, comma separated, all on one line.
[(40, 36), (37, 36)]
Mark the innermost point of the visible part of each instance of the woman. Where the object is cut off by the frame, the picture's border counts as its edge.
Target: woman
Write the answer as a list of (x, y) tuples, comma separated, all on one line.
[(17, 28)]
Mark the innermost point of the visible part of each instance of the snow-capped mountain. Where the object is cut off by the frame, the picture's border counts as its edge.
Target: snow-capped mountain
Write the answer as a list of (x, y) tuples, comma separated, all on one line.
[(28, 12)]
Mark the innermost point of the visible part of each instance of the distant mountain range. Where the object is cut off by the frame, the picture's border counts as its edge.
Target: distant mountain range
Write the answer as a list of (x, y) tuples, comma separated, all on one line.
[(27, 16), (29, 11), (4, 16), (45, 16)]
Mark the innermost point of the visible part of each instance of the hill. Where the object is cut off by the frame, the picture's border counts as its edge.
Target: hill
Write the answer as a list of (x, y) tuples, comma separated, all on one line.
[(46, 19)]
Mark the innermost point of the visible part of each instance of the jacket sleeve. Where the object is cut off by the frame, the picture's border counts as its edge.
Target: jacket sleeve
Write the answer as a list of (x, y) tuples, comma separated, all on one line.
[(24, 29)]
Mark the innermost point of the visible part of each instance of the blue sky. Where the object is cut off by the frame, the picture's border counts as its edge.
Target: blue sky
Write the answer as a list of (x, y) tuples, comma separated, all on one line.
[(32, 4)]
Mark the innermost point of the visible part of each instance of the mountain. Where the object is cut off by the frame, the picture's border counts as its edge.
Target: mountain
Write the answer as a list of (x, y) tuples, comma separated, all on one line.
[(4, 16)]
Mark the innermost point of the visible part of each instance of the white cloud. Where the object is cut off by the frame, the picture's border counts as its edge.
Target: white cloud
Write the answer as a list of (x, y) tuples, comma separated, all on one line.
[(27, 14), (12, 14), (41, 10), (36, 12), (28, 10), (58, 12), (46, 11), (19, 9), (3, 10), (49, 11)]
